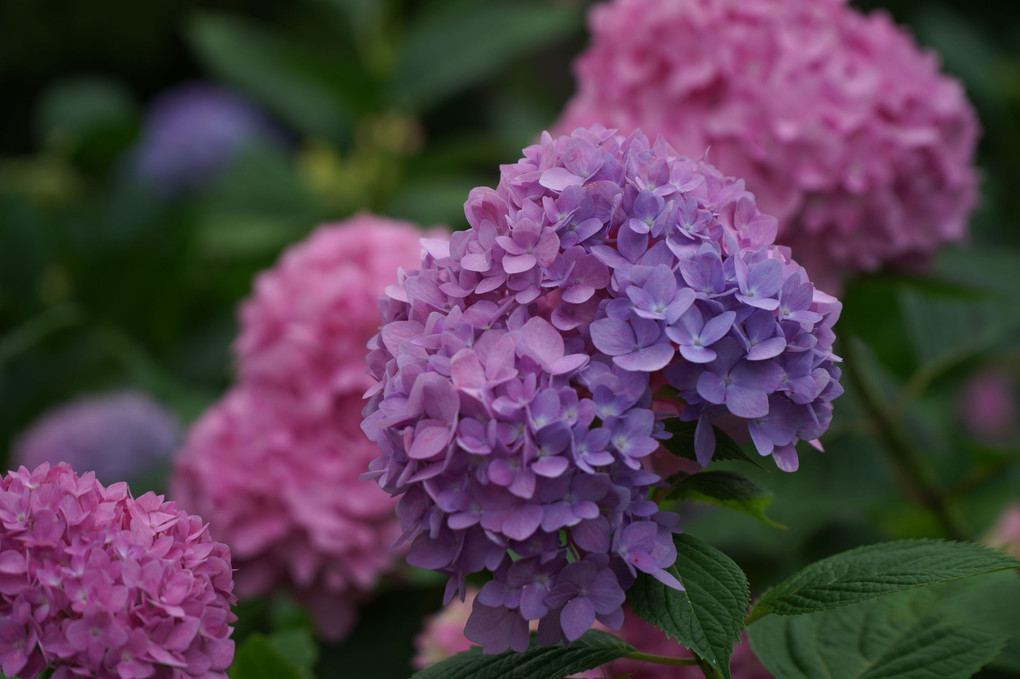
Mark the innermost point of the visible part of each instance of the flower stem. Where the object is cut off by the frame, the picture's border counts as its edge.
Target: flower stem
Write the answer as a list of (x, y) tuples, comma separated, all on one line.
[(915, 476), (661, 659), (755, 615)]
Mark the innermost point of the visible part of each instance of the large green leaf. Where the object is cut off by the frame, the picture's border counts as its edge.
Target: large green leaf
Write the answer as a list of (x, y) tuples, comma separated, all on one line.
[(876, 570), (727, 489), (463, 44), (682, 443), (919, 634), (247, 55), (708, 616), (538, 662)]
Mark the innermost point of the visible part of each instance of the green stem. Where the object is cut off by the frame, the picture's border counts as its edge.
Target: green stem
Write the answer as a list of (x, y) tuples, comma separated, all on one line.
[(755, 615), (661, 659), (709, 671), (916, 477)]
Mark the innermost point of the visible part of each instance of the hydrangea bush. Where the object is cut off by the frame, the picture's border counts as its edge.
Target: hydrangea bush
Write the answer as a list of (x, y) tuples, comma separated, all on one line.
[(95, 582), (119, 435), (843, 129), (274, 466), (517, 371)]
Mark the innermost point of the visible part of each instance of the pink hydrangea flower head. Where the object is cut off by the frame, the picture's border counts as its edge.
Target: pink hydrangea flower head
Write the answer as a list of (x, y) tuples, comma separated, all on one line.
[(842, 128), (118, 435), (518, 369), (95, 582), (282, 489), (305, 327)]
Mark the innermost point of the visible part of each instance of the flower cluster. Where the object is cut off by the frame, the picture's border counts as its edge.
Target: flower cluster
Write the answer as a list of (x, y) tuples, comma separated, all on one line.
[(842, 128), (193, 132), (119, 436), (274, 466), (94, 582), (517, 371)]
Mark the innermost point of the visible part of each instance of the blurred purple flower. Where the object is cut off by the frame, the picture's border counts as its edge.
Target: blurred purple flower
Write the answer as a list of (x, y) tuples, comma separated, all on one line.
[(120, 436), (193, 132)]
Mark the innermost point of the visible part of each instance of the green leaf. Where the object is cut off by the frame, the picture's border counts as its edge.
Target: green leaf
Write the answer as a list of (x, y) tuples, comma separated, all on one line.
[(682, 443), (708, 616), (77, 107), (297, 647), (250, 57), (876, 570), (727, 489), (910, 635), (460, 45), (538, 662), (259, 658)]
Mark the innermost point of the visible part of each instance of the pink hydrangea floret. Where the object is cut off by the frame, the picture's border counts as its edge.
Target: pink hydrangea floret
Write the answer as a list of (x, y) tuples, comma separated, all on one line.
[(843, 129), (95, 582)]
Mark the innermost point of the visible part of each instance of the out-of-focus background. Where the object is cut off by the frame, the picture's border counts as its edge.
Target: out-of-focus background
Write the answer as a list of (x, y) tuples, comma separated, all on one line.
[(154, 157)]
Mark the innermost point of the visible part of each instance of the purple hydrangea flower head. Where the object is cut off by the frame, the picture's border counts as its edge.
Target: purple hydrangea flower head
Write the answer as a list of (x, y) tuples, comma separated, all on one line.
[(193, 132), (119, 436), (842, 128), (95, 582), (517, 369)]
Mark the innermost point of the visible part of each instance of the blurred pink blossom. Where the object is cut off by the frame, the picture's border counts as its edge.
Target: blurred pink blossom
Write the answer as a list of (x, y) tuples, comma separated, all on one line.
[(840, 125), (274, 466), (1006, 532), (989, 408), (305, 328)]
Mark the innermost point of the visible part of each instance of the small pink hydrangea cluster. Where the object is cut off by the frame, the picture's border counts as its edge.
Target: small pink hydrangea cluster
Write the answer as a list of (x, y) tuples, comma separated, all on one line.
[(274, 466), (94, 582), (843, 129)]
